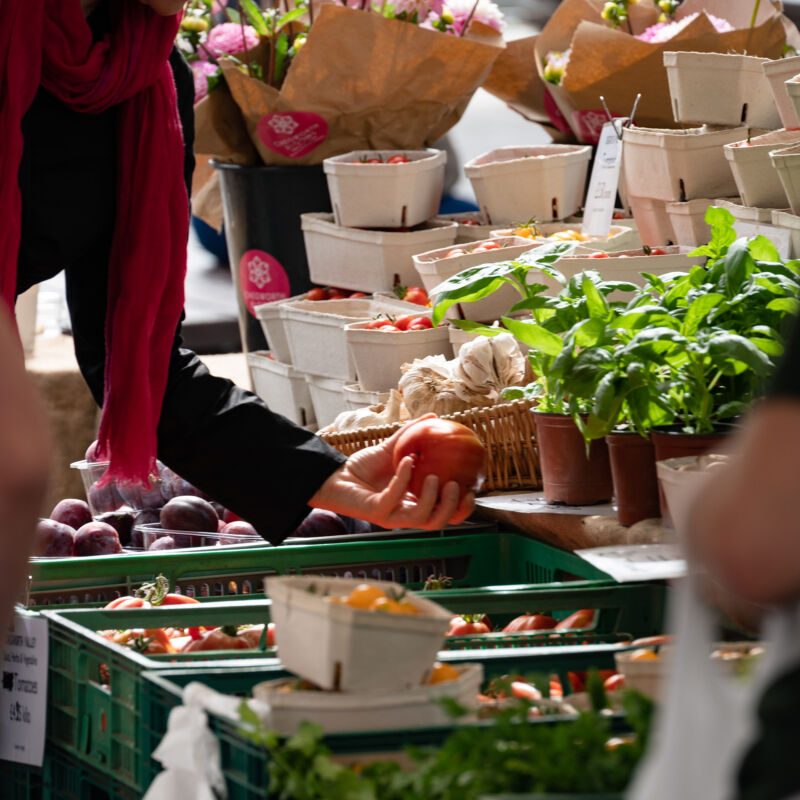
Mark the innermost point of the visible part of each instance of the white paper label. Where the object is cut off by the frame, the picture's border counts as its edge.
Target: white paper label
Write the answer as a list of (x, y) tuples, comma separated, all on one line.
[(780, 237), (638, 562), (23, 691), (598, 210), (534, 503)]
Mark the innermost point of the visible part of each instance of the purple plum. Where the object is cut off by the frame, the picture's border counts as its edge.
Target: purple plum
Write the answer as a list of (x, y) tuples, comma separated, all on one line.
[(321, 522), (71, 512), (237, 531), (97, 539), (54, 539), (163, 543)]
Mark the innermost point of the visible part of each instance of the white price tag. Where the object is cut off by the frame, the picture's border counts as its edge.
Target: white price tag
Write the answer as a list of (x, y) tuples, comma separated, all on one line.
[(780, 237), (601, 198), (534, 503), (628, 563), (23, 691)]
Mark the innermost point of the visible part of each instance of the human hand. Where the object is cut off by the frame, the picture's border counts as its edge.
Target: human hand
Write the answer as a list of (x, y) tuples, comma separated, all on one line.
[(745, 527), (367, 487)]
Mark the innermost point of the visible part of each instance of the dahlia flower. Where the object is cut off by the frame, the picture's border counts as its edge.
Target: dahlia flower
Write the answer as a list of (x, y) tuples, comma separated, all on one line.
[(226, 39), (201, 70), (664, 31)]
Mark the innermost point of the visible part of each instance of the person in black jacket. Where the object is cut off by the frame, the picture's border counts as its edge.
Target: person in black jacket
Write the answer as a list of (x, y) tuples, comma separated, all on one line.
[(221, 438)]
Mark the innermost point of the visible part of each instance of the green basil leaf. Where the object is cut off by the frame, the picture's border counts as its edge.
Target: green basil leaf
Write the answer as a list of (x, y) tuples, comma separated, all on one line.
[(535, 336)]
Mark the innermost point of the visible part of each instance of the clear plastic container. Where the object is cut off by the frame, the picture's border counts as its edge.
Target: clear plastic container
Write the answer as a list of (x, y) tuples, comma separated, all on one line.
[(183, 540)]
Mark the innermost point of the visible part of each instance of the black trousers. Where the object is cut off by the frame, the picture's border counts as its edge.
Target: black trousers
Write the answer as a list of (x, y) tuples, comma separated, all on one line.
[(221, 438)]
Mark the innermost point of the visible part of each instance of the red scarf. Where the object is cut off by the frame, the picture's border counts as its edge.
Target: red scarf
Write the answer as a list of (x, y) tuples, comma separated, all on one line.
[(49, 43)]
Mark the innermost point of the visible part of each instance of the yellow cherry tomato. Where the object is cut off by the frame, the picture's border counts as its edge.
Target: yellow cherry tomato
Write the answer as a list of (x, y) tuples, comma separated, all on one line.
[(364, 595), (644, 655), (443, 672)]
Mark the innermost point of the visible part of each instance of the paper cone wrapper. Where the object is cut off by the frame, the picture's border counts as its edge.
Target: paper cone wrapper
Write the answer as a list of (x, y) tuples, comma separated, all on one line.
[(362, 81), (612, 63)]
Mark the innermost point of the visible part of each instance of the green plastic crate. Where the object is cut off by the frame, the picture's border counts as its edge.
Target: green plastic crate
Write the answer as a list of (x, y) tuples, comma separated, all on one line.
[(100, 723), (94, 684), (68, 779), (244, 763), (634, 608), (216, 572), (20, 782)]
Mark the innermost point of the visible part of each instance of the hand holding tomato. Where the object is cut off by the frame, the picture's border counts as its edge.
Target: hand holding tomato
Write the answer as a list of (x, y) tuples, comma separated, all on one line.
[(373, 486)]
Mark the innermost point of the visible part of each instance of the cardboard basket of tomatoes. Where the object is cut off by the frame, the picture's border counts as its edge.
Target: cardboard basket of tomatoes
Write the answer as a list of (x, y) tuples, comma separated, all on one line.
[(385, 188), (381, 346), (620, 237), (291, 701), (374, 636), (436, 266), (628, 265), (368, 260), (316, 332)]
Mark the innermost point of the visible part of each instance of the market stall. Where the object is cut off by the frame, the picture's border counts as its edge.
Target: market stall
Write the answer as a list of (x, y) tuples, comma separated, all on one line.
[(586, 343)]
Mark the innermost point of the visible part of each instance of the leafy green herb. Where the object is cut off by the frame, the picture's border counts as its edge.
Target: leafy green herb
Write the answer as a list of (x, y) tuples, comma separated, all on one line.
[(508, 755)]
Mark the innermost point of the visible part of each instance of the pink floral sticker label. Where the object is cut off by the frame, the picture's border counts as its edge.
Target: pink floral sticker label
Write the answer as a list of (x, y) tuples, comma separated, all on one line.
[(292, 133), (588, 124), (262, 279)]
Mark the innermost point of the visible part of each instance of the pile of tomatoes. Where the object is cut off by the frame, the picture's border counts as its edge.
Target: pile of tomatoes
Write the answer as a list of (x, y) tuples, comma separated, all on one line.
[(332, 293), (409, 322), (371, 598), (477, 624), (397, 158), (483, 247)]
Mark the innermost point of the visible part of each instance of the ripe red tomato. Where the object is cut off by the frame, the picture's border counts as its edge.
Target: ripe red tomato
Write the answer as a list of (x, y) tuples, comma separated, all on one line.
[(530, 622), (479, 249), (379, 322), (389, 327), (470, 222), (317, 294), (398, 159), (420, 323), (403, 322), (616, 681), (598, 254), (456, 251), (338, 294), (354, 295), (447, 449), (372, 161), (490, 246), (579, 620), (416, 294), (656, 251), (467, 625)]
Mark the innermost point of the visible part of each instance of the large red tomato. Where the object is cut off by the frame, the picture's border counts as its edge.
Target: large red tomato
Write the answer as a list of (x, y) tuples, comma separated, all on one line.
[(530, 622), (443, 448)]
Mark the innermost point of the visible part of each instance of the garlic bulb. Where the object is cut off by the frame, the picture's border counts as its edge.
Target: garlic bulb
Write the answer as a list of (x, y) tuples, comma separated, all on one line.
[(426, 385), (372, 416), (487, 365)]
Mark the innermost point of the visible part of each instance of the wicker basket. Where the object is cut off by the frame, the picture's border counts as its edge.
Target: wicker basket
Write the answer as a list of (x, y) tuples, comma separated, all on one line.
[(507, 430)]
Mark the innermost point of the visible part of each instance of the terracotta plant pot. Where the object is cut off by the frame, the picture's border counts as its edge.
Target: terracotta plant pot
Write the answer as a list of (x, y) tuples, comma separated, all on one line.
[(568, 476), (633, 468), (677, 444)]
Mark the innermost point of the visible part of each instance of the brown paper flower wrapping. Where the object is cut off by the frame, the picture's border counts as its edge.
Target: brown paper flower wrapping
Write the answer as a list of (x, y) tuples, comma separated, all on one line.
[(364, 82), (612, 63)]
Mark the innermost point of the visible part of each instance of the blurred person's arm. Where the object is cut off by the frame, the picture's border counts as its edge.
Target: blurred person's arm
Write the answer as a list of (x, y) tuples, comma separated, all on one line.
[(745, 527), (24, 463)]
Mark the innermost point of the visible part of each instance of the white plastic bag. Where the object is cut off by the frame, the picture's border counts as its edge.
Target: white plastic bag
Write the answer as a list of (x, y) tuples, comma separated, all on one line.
[(708, 720), (190, 755)]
